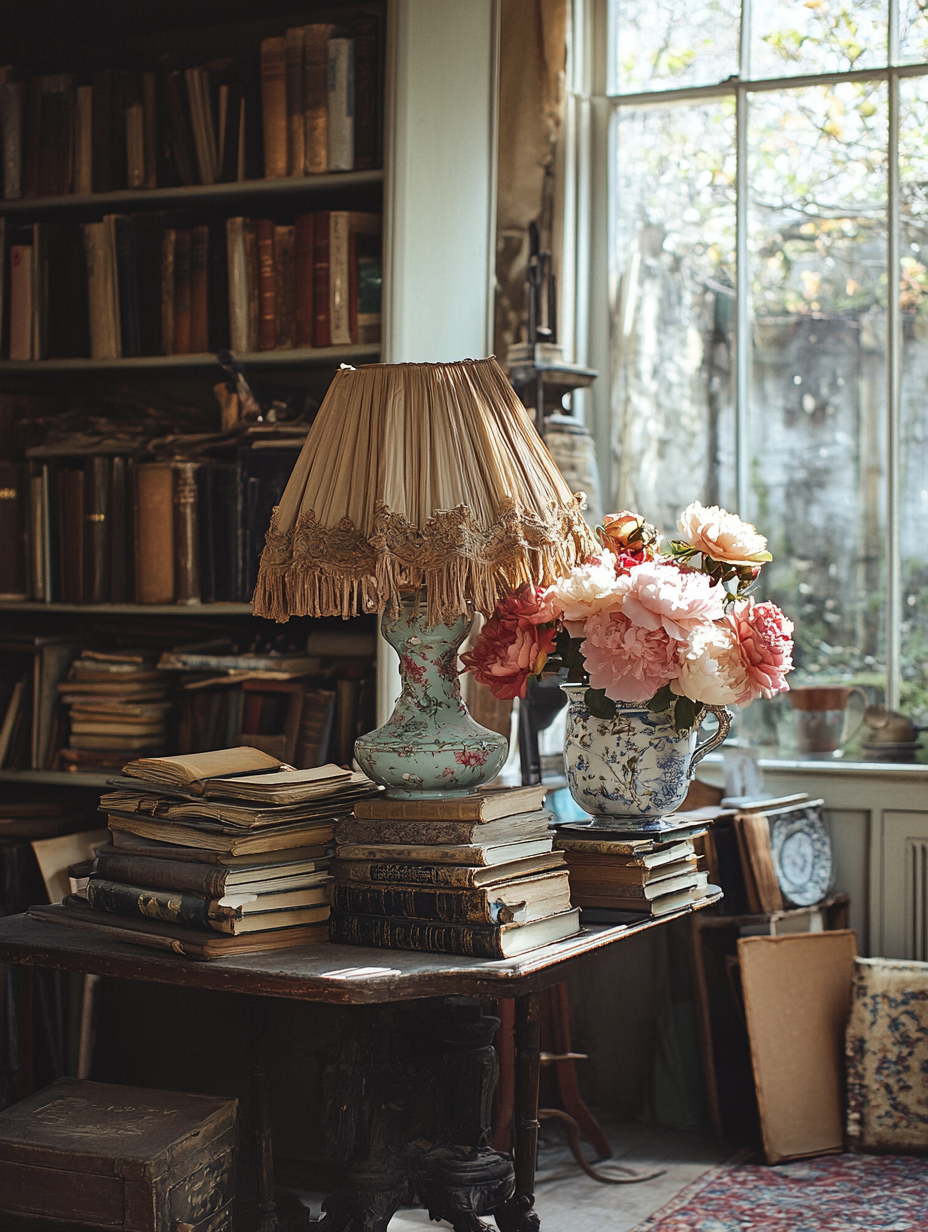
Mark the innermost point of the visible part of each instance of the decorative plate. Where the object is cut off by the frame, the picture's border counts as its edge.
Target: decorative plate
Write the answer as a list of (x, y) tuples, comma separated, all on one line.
[(802, 857)]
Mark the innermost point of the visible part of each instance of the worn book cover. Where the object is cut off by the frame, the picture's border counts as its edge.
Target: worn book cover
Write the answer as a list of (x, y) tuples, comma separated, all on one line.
[(461, 876), (504, 829), (274, 105), (519, 901), (484, 805), (460, 853), (469, 940)]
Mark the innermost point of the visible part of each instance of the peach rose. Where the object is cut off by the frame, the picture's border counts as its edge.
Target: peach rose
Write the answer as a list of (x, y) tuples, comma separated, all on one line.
[(722, 536)]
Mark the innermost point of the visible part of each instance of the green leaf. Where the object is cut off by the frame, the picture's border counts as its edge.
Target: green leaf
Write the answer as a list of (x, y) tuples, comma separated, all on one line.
[(598, 704), (685, 713), (661, 699)]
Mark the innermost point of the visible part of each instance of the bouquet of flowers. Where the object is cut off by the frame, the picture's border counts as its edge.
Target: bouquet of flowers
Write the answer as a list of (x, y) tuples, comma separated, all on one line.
[(669, 625)]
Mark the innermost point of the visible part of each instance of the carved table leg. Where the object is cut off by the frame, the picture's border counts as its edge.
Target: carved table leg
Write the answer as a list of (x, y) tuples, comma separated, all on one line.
[(518, 1214)]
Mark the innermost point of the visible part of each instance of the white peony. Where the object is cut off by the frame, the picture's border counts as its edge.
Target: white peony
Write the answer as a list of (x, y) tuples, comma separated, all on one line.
[(589, 587), (721, 535), (712, 667)]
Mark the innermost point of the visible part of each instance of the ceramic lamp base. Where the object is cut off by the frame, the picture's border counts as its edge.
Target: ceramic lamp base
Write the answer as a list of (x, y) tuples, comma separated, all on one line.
[(430, 747)]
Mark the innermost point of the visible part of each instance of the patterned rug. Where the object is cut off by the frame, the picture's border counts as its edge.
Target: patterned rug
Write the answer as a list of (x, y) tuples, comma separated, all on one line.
[(836, 1193)]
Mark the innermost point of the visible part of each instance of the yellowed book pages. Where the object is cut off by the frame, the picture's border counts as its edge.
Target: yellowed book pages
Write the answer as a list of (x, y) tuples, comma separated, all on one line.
[(192, 766)]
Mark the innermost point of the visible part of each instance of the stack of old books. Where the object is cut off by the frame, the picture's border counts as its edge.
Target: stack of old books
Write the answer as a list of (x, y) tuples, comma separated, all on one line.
[(218, 852), (615, 877), (118, 708), (473, 875)]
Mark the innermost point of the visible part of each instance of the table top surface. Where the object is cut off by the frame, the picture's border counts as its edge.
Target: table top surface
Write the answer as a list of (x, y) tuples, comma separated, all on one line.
[(339, 974)]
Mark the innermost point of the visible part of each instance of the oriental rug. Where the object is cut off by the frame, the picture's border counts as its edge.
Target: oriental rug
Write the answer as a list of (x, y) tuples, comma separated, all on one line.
[(835, 1193)]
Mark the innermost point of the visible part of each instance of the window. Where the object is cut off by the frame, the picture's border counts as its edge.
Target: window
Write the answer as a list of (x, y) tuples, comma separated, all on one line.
[(768, 219)]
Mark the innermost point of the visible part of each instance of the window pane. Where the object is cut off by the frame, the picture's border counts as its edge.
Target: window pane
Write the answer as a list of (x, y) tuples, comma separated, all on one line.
[(673, 242), (913, 32), (913, 445), (789, 38), (662, 45), (817, 228)]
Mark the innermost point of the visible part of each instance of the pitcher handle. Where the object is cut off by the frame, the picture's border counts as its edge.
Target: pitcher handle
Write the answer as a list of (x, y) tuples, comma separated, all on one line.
[(723, 717)]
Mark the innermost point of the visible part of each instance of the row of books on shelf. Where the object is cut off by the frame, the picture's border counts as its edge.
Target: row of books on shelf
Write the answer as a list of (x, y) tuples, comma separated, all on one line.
[(153, 284), (303, 103), (107, 528), (64, 706)]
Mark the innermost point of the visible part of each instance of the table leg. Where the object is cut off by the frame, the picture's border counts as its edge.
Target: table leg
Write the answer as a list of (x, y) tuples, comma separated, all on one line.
[(518, 1214), (264, 1149)]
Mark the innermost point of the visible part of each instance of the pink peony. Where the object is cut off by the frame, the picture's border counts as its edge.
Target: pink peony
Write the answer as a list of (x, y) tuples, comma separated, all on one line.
[(658, 594), (765, 638), (514, 643), (712, 668), (589, 587), (629, 662)]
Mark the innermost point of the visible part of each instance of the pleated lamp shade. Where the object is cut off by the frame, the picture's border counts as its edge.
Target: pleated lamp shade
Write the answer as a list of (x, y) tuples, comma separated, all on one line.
[(418, 477)]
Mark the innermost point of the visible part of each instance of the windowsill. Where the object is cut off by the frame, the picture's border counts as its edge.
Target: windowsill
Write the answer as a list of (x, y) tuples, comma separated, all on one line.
[(834, 766)]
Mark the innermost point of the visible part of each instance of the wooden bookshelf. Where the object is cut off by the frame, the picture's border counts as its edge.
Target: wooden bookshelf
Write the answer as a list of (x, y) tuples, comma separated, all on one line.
[(55, 778), (340, 184), (304, 357), (131, 609)]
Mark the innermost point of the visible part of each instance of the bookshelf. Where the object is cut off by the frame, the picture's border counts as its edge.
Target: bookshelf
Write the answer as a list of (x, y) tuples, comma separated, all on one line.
[(436, 195)]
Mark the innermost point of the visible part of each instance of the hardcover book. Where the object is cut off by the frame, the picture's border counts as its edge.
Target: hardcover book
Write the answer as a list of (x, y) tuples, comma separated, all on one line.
[(485, 805), (470, 940)]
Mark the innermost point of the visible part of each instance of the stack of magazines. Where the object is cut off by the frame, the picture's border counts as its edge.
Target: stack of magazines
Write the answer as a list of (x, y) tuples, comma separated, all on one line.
[(216, 852)]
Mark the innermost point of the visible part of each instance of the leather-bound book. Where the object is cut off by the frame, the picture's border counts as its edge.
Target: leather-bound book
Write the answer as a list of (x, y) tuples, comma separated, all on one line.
[(12, 99), (97, 528), (303, 270), (50, 121), (344, 228), (315, 96), (177, 161), (21, 286), (154, 532), (149, 242), (368, 42), (182, 305), (102, 131), (220, 532), (71, 532), (285, 285), (127, 283), (264, 475), (186, 534), (120, 531), (125, 95), (294, 71), (31, 122), (168, 253), (133, 116), (274, 105), (150, 128), (12, 532), (340, 123), (217, 292), (83, 140), (237, 265), (267, 292), (199, 290), (322, 336)]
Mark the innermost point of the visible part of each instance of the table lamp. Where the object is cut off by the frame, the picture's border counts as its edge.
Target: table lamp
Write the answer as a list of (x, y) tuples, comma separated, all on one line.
[(425, 491)]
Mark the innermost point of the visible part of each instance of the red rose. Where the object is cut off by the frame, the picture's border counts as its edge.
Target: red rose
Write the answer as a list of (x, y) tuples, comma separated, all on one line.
[(514, 643)]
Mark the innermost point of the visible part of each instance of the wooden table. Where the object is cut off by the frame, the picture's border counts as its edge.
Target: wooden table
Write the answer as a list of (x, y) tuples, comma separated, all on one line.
[(352, 975)]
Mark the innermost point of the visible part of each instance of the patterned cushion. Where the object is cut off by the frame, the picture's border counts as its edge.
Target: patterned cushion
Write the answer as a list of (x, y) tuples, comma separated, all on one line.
[(887, 1057)]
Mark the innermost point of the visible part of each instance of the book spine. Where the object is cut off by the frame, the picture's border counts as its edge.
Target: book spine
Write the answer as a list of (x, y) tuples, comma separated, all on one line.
[(366, 92), (316, 97), (238, 284), (285, 285), (182, 304), (101, 131), (127, 279), (39, 291), (322, 336), (134, 114), (150, 129), (150, 903), (110, 288), (254, 291), (83, 140), (274, 105), (340, 127), (12, 533), (36, 561), (339, 299), (384, 872), (217, 289), (49, 124), (120, 536), (446, 906), (97, 529), (295, 129), (199, 290), (71, 529), (21, 301), (168, 255), (267, 326), (463, 939), (424, 832), (31, 121), (186, 533), (11, 119), (154, 521), (303, 265), (181, 154), (205, 881), (466, 809)]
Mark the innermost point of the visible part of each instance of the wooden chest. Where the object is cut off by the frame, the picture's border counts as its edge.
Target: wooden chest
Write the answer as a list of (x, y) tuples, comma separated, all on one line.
[(118, 1157)]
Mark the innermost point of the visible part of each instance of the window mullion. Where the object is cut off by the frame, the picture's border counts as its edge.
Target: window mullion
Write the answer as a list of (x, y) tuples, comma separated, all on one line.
[(894, 383), (743, 317)]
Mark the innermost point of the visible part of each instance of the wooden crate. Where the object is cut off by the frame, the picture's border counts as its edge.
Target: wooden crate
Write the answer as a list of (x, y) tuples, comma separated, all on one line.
[(109, 1156)]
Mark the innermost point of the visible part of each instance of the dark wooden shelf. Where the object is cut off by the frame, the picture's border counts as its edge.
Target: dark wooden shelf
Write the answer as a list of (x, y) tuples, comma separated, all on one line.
[(58, 778), (131, 609), (308, 357), (195, 194)]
